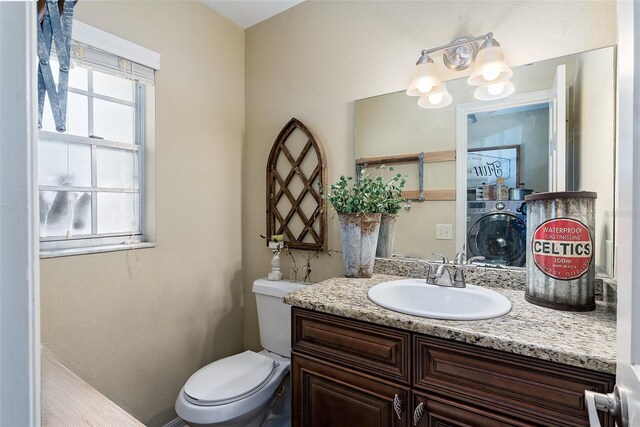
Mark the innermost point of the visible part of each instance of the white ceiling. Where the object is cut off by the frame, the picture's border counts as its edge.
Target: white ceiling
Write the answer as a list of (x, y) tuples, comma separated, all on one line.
[(246, 13)]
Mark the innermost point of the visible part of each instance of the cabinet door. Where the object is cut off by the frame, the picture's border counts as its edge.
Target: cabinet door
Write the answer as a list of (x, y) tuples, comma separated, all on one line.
[(435, 411), (539, 391), (327, 396)]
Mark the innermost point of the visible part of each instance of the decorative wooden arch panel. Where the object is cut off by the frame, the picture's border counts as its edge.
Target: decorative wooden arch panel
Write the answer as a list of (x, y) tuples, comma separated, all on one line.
[(296, 166)]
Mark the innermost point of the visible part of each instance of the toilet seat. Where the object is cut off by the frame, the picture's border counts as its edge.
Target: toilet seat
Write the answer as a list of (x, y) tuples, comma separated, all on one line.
[(230, 379)]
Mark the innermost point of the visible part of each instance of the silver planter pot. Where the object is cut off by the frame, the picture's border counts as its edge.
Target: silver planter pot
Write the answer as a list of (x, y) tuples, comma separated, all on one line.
[(386, 236), (359, 234)]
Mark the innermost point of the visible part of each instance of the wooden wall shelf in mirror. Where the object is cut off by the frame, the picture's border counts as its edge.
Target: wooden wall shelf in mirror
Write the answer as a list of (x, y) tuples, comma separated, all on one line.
[(296, 166), (421, 159)]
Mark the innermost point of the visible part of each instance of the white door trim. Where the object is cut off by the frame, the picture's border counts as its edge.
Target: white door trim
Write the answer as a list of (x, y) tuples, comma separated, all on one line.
[(628, 205), (19, 262), (462, 110)]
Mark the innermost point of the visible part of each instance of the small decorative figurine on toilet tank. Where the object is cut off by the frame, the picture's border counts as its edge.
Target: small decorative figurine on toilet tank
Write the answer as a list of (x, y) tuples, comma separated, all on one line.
[(560, 239), (276, 244)]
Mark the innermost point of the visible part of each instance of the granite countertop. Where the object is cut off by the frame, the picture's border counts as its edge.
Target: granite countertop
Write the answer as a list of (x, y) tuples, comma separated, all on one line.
[(586, 340)]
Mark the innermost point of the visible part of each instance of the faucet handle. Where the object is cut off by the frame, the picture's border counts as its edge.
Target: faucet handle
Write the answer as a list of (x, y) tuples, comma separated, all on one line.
[(431, 270), (445, 260), (461, 258), (475, 258), (458, 277)]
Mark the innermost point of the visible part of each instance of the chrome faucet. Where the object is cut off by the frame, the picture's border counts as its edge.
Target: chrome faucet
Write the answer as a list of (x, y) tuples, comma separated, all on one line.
[(441, 275), (463, 263), (474, 258), (458, 278), (430, 273), (438, 274), (461, 259)]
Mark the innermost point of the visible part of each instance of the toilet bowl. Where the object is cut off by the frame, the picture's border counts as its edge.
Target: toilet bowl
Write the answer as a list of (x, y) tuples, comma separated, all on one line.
[(242, 389), (231, 400)]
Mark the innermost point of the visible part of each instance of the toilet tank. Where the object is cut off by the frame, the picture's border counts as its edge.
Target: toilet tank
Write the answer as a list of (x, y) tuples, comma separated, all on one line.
[(274, 316)]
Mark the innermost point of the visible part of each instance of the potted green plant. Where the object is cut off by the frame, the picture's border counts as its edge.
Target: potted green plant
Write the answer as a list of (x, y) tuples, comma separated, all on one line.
[(391, 204), (359, 204)]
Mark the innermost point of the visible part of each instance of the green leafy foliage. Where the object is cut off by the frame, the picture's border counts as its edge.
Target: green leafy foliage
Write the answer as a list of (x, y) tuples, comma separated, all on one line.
[(392, 196), (366, 194)]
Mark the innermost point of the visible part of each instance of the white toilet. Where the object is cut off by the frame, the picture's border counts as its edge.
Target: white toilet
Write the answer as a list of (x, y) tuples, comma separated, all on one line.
[(241, 390)]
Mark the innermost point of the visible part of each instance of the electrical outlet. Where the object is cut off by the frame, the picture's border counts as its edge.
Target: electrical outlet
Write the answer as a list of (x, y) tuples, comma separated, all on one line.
[(444, 232)]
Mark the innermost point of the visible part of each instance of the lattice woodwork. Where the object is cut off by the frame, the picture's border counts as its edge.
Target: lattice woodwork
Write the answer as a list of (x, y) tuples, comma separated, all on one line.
[(296, 166)]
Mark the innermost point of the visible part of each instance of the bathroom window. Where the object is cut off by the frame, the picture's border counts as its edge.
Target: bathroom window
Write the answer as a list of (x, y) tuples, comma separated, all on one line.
[(92, 178)]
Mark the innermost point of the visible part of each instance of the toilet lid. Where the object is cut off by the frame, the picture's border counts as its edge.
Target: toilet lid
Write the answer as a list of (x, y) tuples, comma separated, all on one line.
[(229, 379)]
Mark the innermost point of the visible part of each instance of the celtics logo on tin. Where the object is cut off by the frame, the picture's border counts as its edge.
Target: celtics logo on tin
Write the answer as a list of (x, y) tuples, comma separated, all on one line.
[(562, 248)]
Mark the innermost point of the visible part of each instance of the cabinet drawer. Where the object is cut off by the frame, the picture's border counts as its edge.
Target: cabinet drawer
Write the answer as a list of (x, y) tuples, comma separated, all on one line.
[(436, 411), (325, 395), (545, 393), (373, 349)]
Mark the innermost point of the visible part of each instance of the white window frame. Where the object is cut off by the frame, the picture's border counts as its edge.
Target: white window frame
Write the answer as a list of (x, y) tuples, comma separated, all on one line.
[(144, 143)]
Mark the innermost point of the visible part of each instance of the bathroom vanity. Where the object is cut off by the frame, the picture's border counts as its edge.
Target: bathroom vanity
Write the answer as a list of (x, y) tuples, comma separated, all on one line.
[(357, 364)]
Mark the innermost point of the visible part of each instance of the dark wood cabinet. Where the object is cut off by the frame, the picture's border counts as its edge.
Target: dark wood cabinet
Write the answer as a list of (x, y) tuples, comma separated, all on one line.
[(383, 352), (436, 411), (348, 373), (327, 396), (538, 391)]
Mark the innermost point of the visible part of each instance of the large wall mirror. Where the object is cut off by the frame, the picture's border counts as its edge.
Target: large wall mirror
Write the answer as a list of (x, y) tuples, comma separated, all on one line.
[(556, 132)]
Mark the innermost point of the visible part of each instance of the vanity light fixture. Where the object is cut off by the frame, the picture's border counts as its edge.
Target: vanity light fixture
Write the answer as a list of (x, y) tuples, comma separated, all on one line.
[(490, 73), (436, 99), (425, 80), (490, 64), (495, 90)]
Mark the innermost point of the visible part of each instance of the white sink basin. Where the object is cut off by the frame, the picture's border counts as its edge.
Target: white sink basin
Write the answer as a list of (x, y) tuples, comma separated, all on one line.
[(415, 297)]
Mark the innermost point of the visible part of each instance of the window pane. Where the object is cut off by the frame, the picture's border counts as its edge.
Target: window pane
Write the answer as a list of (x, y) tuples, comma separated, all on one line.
[(55, 67), (77, 75), (118, 212), (77, 115), (47, 116), (117, 168), (115, 87), (62, 163), (112, 121), (62, 211)]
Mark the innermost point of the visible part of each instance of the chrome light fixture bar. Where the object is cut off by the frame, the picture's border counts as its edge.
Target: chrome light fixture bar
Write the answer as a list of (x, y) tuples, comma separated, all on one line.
[(490, 74)]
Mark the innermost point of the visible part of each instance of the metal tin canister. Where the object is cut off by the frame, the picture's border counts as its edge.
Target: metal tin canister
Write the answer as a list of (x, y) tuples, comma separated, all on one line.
[(560, 242)]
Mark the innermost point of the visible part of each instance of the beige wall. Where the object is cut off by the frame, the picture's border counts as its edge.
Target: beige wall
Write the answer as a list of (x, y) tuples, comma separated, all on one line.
[(136, 325), (314, 60), (594, 105)]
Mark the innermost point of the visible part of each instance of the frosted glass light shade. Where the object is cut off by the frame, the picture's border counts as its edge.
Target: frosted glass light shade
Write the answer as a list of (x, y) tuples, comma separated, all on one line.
[(425, 80), (435, 100), (495, 90), (490, 67)]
